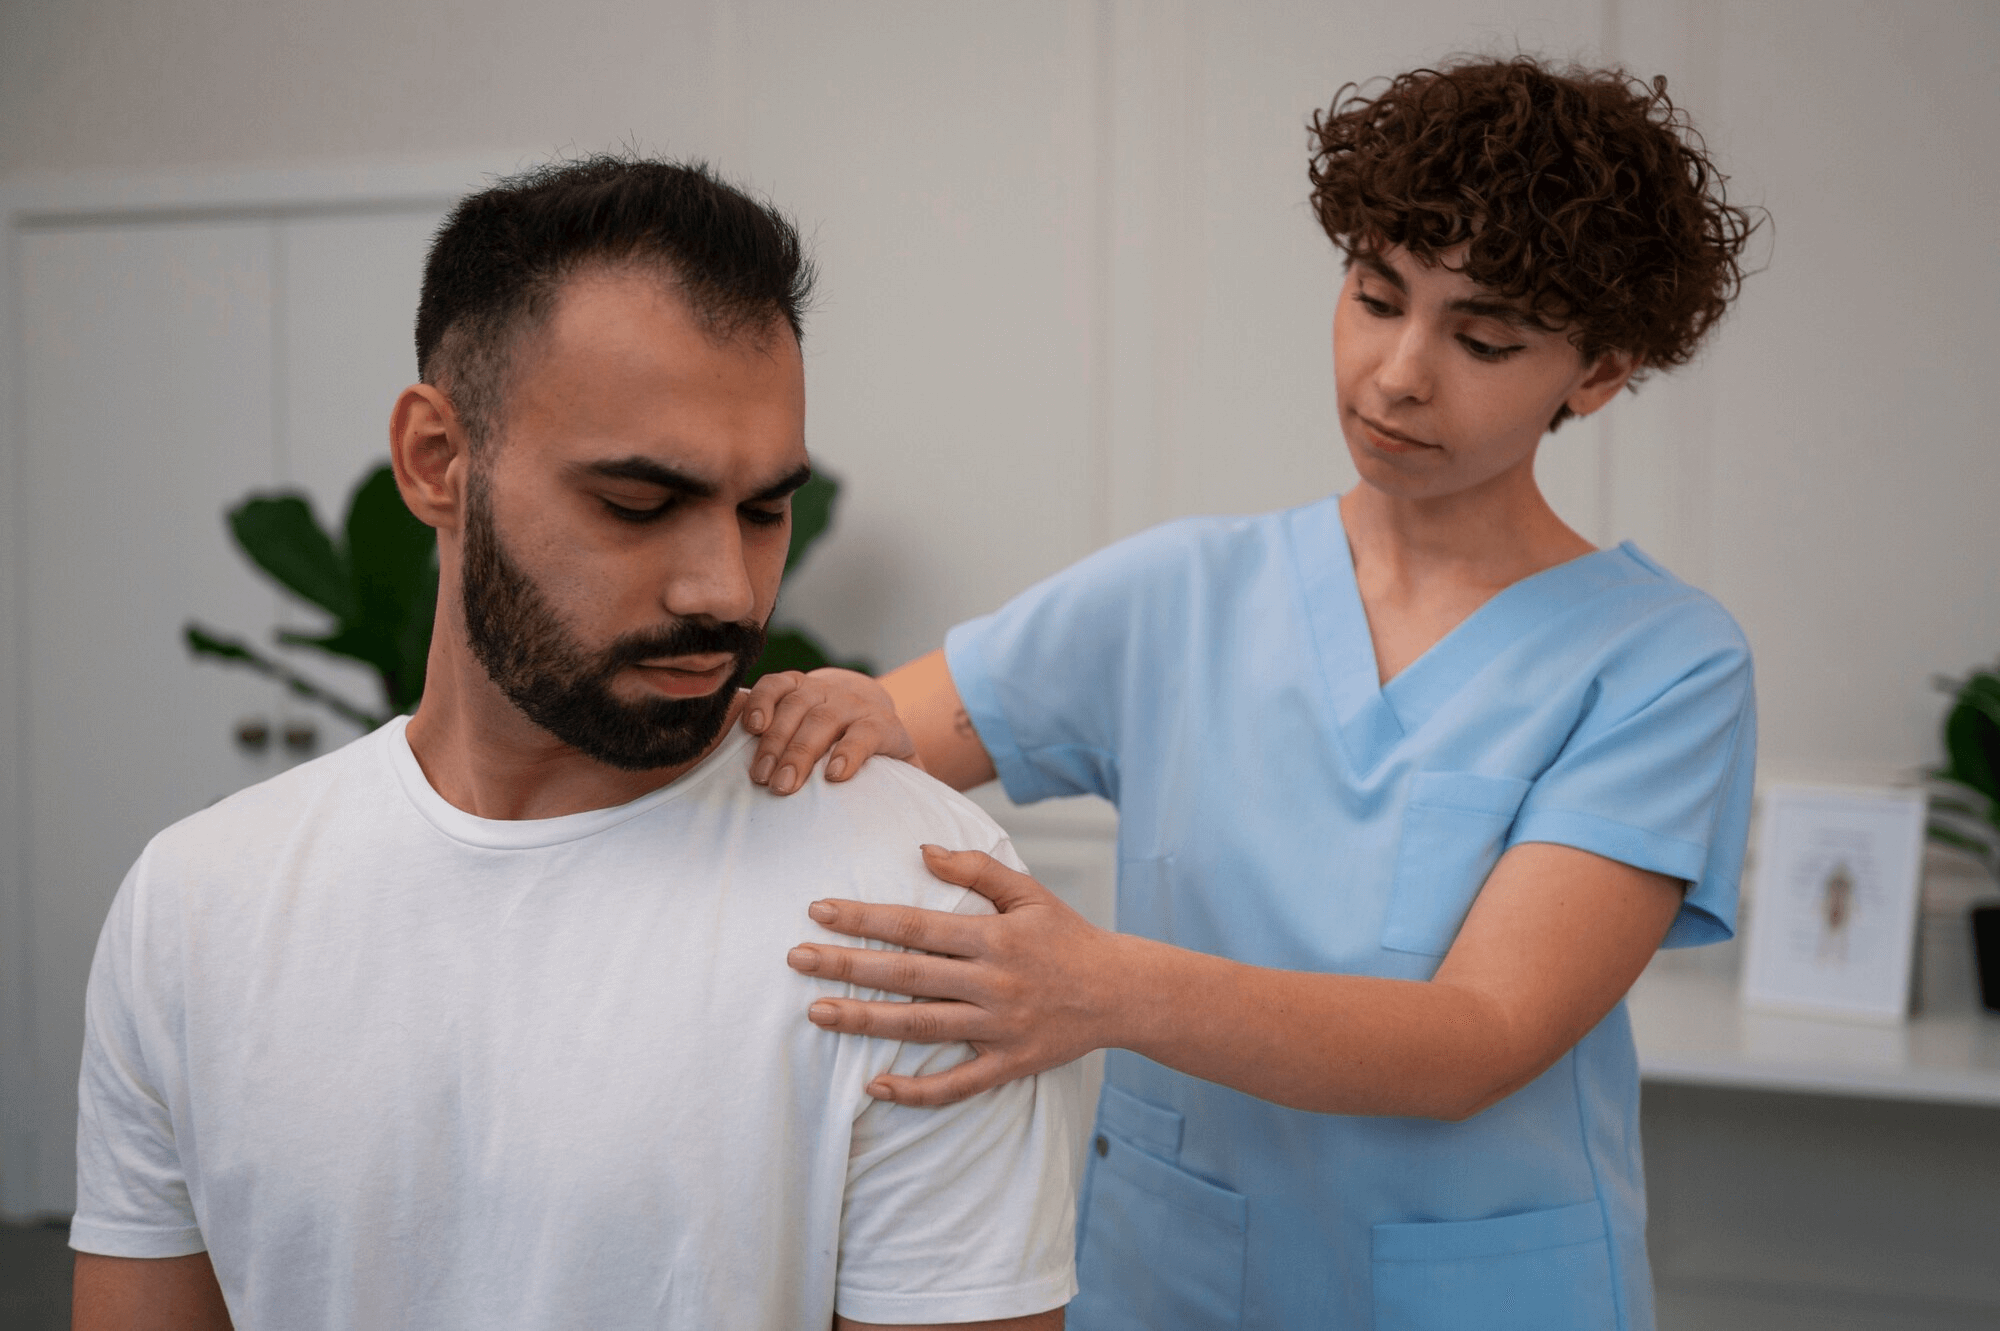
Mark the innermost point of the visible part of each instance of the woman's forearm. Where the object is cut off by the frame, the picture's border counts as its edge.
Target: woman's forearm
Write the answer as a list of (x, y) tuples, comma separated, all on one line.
[(1333, 1044)]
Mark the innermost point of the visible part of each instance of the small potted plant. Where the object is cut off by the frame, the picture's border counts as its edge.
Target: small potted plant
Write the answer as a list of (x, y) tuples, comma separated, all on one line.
[(1966, 812)]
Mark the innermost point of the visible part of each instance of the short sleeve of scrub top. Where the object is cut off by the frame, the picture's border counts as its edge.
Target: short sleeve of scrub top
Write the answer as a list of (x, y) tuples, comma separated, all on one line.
[(1279, 805)]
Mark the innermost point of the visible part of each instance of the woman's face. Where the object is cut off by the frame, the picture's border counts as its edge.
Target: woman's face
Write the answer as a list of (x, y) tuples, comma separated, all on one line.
[(1443, 388)]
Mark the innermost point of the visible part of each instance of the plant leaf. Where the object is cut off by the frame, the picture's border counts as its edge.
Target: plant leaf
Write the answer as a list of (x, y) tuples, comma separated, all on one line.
[(394, 562), (282, 537), (206, 643), (356, 642), (812, 514), (1972, 745)]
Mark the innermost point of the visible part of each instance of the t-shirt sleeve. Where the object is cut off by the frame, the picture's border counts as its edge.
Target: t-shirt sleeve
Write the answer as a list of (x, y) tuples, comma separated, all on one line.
[(131, 1190), (1041, 678), (1659, 771), (967, 1212)]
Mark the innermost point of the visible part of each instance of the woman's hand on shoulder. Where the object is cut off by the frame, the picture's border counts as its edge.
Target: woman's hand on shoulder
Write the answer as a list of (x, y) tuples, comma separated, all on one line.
[(841, 715)]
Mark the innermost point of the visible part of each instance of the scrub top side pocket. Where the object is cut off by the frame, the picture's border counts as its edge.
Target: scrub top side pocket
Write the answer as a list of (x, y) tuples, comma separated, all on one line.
[(1454, 827), (1157, 1246), (1538, 1271)]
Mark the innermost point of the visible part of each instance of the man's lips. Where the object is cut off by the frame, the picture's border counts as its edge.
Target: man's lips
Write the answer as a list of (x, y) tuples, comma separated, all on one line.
[(687, 676), (1394, 441)]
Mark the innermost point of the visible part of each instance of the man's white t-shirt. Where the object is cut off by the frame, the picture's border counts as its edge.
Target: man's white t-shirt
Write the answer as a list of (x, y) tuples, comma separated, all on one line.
[(393, 1065)]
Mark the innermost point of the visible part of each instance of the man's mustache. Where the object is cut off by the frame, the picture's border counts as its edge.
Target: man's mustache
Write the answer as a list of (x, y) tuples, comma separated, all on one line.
[(687, 637)]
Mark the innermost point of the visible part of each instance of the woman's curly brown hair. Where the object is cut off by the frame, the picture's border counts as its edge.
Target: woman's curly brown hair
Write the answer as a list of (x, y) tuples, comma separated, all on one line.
[(1585, 195)]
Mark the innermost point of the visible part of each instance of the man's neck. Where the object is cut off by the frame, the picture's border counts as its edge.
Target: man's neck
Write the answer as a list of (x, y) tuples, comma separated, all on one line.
[(483, 756)]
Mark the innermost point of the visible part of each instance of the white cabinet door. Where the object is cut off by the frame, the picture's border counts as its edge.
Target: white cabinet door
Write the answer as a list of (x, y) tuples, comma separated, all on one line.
[(143, 379), (160, 372)]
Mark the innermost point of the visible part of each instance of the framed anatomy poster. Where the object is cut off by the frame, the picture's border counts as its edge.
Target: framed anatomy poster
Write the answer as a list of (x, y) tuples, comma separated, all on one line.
[(1833, 922)]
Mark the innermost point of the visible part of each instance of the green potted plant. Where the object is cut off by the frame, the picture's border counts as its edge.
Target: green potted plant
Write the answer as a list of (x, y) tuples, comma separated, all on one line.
[(378, 583), (1965, 812)]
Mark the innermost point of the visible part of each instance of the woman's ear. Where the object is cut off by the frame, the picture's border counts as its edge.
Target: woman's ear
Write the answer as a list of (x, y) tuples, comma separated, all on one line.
[(1601, 382), (430, 454)]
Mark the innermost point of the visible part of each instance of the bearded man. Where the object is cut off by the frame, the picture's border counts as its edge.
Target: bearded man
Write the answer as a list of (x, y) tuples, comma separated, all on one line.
[(482, 1021)]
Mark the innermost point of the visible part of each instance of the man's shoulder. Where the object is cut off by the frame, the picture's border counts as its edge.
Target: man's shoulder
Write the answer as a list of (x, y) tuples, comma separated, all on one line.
[(262, 817), (884, 813)]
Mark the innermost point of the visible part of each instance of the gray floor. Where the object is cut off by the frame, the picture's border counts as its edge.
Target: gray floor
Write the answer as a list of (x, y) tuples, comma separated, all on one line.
[(34, 1277)]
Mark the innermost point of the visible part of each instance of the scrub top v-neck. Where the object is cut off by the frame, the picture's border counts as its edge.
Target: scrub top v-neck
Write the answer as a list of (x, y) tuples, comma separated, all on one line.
[(1278, 805)]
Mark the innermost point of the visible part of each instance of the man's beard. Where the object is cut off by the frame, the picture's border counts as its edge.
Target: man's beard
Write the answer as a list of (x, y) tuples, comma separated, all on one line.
[(566, 689)]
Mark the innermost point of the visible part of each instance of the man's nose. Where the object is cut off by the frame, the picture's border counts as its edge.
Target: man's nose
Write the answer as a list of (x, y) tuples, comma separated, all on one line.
[(710, 577)]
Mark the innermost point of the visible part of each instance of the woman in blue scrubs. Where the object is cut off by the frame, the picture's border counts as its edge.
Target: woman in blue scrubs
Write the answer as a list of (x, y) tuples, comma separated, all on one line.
[(1411, 782)]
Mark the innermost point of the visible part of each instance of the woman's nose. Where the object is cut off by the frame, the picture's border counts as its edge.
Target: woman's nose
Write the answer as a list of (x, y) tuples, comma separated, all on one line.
[(1405, 371)]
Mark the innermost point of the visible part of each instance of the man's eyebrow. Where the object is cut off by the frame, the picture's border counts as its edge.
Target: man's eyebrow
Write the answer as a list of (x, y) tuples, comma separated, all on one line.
[(778, 491), (648, 472)]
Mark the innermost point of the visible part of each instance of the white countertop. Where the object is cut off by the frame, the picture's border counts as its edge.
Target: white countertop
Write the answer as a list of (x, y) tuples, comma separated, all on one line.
[(1691, 1031)]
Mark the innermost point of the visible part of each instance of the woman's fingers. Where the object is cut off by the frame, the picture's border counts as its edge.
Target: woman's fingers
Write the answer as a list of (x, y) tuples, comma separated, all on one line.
[(798, 719), (1006, 888), (905, 926), (764, 697), (980, 1073), (866, 738), (911, 973), (916, 1023)]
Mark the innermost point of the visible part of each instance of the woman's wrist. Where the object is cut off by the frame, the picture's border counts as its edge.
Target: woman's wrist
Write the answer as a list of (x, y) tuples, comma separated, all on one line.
[(1136, 993)]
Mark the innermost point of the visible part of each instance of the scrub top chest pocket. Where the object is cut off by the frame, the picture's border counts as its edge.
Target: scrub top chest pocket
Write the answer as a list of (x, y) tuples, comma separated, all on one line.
[(1455, 826)]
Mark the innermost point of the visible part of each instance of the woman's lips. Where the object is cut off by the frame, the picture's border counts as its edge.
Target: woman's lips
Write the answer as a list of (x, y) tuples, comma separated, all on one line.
[(1388, 440)]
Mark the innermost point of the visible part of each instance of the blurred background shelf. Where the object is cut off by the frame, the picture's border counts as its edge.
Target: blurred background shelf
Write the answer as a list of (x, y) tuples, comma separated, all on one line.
[(1690, 1031)]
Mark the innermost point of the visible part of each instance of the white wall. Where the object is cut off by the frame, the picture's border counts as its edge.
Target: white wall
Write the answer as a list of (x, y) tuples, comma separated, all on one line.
[(1071, 285)]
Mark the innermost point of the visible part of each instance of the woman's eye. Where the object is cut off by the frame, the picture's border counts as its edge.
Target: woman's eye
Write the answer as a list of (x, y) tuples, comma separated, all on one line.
[(1486, 350), (1381, 309)]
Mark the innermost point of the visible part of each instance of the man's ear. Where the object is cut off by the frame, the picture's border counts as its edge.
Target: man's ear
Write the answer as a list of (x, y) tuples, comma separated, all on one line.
[(1601, 382), (431, 456)]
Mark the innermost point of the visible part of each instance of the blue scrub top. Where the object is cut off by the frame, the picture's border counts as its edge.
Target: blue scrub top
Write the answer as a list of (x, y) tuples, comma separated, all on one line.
[(1215, 679)]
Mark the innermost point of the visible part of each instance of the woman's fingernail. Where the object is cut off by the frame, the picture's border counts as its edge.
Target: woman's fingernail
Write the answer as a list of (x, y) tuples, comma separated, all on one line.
[(802, 959), (760, 771), (754, 721), (788, 777), (835, 767), (820, 1014), (878, 1090), (929, 849), (821, 911)]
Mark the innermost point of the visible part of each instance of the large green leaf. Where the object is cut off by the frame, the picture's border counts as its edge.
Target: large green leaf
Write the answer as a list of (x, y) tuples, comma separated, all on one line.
[(812, 514), (388, 550), (281, 535), (394, 561), (413, 645)]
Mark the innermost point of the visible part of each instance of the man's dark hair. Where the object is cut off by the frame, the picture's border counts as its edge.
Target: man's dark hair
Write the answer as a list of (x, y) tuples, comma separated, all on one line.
[(501, 259), (1584, 194)]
